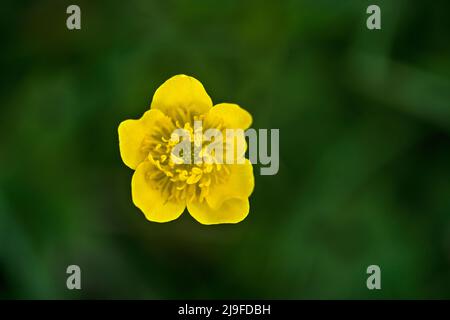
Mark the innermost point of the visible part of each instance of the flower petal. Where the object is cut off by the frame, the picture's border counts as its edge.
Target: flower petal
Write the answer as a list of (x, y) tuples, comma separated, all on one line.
[(231, 211), (229, 115), (147, 198), (181, 97), (135, 136), (239, 184)]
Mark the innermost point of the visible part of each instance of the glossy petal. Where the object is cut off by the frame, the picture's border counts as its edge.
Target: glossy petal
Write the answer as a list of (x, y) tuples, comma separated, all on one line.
[(231, 211), (229, 115), (239, 184), (181, 97), (147, 198), (135, 136)]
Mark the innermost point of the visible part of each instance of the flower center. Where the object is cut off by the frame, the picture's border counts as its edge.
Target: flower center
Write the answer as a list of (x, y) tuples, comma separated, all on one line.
[(179, 176)]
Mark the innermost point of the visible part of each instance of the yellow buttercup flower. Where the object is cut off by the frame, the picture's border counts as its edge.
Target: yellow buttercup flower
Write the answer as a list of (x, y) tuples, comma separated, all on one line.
[(163, 183)]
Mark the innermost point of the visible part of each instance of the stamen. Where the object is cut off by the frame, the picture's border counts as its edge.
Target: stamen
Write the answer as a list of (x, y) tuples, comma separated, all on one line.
[(180, 181)]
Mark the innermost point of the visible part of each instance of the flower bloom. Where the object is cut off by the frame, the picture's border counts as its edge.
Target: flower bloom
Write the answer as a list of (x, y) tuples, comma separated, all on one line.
[(162, 186)]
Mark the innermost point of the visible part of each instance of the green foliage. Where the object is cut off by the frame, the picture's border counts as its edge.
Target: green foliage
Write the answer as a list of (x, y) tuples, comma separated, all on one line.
[(364, 121)]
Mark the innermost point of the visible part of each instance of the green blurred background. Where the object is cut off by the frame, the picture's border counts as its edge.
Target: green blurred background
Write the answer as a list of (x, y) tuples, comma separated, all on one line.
[(364, 119)]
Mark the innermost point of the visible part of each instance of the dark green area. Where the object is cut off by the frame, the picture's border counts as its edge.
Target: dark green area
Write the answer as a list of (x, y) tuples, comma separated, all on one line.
[(364, 119)]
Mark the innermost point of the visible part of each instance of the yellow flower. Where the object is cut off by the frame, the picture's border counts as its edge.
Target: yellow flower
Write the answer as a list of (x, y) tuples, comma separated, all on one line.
[(162, 187)]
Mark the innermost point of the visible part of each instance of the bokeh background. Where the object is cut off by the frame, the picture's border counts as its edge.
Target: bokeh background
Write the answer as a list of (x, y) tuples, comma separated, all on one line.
[(364, 119)]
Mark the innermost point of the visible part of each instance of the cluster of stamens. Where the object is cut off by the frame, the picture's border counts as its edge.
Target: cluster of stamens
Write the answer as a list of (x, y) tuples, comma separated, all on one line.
[(179, 179)]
